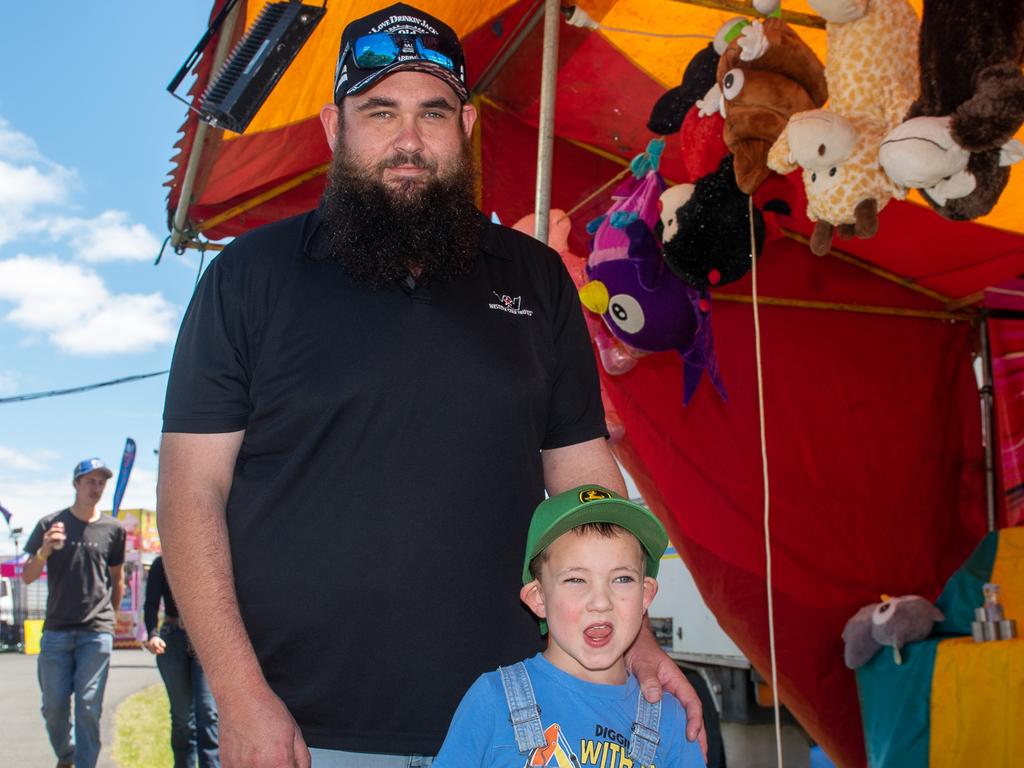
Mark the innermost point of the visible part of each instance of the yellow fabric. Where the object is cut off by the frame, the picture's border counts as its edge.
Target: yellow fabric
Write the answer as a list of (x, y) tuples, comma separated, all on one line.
[(308, 82), (306, 86), (977, 706), (1008, 573)]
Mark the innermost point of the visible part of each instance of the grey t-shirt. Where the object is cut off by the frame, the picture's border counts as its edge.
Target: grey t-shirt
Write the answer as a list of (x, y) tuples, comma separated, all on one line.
[(78, 576)]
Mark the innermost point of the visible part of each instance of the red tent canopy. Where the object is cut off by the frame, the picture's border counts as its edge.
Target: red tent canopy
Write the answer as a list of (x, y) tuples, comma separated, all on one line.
[(875, 461)]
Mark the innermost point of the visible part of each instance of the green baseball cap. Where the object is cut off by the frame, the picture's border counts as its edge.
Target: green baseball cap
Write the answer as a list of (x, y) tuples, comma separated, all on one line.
[(593, 504)]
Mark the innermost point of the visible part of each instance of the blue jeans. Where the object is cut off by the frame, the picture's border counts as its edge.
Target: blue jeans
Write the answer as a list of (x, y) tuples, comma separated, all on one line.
[(331, 758), (194, 729), (74, 661)]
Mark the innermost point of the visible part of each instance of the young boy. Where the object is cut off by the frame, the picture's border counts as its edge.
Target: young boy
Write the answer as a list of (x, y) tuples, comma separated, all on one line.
[(589, 575)]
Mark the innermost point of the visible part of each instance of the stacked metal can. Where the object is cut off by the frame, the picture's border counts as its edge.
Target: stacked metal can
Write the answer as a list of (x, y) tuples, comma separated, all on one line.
[(990, 623)]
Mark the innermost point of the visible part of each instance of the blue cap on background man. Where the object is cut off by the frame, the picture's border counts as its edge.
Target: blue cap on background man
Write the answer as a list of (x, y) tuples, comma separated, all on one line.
[(86, 466)]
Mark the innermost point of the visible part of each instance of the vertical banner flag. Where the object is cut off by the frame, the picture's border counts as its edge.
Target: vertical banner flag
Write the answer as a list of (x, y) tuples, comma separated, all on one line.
[(122, 475), (6, 514)]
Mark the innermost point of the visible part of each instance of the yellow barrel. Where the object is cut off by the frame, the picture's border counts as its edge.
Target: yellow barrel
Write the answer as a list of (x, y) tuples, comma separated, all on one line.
[(33, 634)]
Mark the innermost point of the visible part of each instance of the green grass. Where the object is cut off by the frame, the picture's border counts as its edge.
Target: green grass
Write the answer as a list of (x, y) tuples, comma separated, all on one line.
[(142, 730)]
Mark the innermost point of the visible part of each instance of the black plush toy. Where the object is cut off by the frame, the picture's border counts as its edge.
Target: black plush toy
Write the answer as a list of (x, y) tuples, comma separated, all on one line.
[(705, 222), (698, 78), (957, 144), (706, 234)]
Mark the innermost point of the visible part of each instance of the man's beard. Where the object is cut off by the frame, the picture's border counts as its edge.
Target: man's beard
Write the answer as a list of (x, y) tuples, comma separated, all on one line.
[(382, 233)]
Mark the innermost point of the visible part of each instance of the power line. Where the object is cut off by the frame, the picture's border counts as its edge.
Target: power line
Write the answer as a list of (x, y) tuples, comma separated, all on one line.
[(75, 390)]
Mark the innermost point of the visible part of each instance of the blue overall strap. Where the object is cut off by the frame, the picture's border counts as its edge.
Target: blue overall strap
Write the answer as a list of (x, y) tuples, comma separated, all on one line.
[(645, 738), (523, 712)]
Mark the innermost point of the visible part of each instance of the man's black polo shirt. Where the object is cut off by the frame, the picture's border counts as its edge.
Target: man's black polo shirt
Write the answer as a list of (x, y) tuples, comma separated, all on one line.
[(390, 465)]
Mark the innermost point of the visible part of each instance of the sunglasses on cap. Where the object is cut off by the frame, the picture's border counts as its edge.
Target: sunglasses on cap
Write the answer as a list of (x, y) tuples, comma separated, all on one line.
[(379, 50)]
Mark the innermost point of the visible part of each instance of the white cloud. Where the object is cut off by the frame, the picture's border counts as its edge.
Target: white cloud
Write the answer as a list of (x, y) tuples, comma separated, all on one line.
[(130, 323), (15, 145), (33, 192), (14, 459), (25, 189), (28, 182), (72, 306), (28, 186), (48, 293), (108, 237)]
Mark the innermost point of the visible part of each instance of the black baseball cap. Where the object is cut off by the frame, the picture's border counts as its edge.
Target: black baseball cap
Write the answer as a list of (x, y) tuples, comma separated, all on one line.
[(396, 38)]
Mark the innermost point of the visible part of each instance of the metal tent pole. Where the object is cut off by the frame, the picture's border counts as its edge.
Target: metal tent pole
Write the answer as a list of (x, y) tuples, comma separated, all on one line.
[(988, 431), (192, 169), (546, 121)]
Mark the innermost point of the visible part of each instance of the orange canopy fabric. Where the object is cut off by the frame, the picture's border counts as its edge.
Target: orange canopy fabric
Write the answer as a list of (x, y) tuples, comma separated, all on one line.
[(873, 419), (283, 142)]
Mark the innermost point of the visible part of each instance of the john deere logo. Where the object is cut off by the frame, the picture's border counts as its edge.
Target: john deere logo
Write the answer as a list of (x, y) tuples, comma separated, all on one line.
[(593, 494)]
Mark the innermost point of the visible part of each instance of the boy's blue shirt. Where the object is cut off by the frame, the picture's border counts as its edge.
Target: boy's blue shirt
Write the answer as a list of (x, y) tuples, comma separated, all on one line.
[(588, 721)]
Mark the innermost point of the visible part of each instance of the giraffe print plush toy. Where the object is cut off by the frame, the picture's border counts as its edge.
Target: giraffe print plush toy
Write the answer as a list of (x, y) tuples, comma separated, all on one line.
[(872, 73)]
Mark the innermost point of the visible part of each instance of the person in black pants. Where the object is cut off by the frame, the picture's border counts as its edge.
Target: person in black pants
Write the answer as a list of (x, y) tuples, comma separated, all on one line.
[(194, 729)]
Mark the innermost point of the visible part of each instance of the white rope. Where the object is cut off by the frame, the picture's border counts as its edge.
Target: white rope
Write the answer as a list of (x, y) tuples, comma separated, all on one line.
[(767, 497), (580, 18), (653, 34)]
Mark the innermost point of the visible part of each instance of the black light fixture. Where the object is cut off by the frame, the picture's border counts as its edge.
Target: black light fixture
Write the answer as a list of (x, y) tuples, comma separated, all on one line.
[(245, 79)]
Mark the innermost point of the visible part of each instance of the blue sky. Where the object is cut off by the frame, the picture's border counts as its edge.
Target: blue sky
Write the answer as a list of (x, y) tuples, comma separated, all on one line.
[(86, 135)]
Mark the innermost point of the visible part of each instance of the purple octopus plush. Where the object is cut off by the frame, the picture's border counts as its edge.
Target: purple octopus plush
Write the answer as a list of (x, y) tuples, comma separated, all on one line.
[(640, 300)]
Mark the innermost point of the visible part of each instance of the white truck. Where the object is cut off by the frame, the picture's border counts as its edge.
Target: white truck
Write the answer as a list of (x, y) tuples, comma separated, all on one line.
[(690, 634), (6, 600), (8, 629)]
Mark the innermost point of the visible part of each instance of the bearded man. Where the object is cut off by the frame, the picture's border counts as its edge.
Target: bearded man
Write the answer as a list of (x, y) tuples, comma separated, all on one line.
[(366, 402)]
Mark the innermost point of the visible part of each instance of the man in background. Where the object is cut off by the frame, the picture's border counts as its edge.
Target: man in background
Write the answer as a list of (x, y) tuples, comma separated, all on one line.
[(83, 553), (193, 710)]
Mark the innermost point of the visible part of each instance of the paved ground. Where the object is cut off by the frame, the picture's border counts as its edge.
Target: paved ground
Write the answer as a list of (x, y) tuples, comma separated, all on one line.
[(23, 742)]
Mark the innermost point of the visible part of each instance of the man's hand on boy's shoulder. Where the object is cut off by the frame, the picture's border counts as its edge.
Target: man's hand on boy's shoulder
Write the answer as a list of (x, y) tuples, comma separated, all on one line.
[(656, 672)]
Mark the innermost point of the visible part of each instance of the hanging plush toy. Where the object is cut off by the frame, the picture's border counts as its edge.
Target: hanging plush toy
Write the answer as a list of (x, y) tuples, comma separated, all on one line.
[(895, 621), (642, 303), (765, 75), (705, 229), (871, 68), (698, 78), (679, 109), (706, 245), (957, 144)]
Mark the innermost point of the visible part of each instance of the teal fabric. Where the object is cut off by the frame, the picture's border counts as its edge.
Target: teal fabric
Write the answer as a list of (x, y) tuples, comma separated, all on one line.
[(963, 592), (895, 704)]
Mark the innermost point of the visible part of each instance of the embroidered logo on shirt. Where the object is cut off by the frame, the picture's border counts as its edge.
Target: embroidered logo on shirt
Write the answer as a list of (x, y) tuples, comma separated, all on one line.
[(511, 304)]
